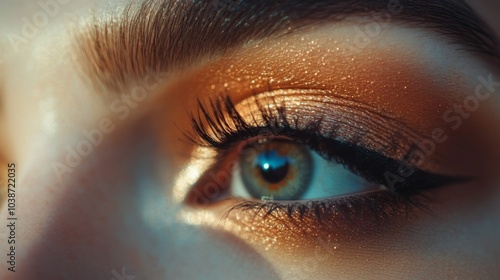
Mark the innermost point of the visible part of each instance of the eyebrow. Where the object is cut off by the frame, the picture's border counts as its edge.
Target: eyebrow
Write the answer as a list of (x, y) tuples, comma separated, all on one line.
[(116, 50)]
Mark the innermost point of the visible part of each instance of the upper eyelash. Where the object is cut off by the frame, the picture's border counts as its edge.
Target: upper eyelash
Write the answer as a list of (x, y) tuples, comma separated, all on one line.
[(224, 132), (220, 125), (212, 129)]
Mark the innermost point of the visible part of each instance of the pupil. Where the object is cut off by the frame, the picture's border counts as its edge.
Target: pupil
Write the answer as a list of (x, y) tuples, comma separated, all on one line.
[(273, 168)]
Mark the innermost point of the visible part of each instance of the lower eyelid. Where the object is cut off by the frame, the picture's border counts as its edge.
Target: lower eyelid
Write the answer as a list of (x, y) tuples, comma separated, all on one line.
[(358, 217)]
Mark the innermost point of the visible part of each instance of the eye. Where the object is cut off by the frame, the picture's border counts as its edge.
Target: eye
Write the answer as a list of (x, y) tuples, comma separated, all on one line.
[(279, 169), (278, 156)]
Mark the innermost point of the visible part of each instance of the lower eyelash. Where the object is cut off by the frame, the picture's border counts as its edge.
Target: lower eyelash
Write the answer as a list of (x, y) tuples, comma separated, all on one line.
[(363, 211)]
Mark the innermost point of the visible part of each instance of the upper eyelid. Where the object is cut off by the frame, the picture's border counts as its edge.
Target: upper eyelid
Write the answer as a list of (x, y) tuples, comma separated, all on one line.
[(103, 59)]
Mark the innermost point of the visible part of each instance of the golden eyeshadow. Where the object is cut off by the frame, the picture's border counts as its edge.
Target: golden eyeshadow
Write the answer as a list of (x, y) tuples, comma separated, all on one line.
[(318, 77), (390, 82)]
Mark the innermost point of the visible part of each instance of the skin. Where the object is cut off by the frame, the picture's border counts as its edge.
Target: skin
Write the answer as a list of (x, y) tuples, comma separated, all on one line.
[(120, 207)]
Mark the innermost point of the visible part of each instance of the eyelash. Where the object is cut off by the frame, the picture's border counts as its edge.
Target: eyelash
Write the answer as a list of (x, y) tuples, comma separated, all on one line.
[(367, 210), (220, 126)]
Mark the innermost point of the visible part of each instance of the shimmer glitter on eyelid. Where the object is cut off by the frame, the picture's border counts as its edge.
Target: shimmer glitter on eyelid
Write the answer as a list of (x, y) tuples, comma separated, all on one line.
[(392, 80), (351, 121), (386, 81)]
